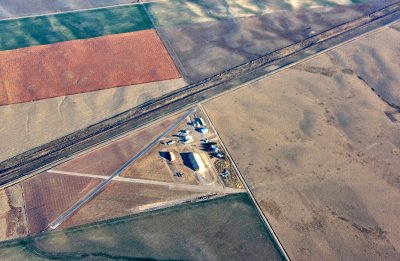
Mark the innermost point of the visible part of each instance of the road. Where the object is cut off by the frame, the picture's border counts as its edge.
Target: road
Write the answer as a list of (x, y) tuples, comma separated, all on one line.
[(102, 185), (61, 149)]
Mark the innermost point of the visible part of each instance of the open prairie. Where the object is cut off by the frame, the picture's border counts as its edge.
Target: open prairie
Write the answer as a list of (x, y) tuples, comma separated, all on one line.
[(205, 49), (319, 154)]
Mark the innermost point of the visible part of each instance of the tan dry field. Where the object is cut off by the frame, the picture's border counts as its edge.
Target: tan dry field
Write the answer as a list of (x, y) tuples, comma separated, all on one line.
[(150, 166), (27, 125), (79, 66), (106, 160), (48, 195), (121, 199), (315, 147), (13, 222)]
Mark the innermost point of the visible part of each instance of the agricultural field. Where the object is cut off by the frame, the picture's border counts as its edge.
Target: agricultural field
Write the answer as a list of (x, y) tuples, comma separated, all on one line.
[(18, 8), (41, 30), (83, 66), (179, 233), (122, 198), (319, 153), (48, 195)]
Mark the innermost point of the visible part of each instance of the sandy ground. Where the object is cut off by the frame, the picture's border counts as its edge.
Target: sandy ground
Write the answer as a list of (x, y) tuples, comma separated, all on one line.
[(13, 222), (79, 66), (28, 125), (17, 8), (205, 49), (319, 154)]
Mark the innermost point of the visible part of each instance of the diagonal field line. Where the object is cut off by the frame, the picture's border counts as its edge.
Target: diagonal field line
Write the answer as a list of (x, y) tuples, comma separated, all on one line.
[(102, 185)]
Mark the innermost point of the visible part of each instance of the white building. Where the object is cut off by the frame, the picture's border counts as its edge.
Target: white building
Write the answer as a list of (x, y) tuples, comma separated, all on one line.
[(196, 162), (204, 130)]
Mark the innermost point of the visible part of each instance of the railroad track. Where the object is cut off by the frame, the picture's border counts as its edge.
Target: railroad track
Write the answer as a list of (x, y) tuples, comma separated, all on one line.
[(60, 150)]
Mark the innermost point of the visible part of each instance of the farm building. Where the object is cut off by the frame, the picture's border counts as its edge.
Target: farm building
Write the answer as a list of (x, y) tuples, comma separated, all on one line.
[(196, 162)]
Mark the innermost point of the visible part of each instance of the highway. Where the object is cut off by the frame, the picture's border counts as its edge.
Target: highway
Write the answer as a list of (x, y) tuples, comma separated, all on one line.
[(60, 150), (103, 184)]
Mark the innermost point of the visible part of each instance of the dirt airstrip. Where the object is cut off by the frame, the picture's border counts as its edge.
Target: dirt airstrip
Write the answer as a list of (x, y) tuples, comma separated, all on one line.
[(83, 66), (320, 155)]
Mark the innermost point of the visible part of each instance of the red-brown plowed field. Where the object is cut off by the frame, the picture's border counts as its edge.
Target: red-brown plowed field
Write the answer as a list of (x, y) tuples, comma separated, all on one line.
[(121, 199), (48, 195), (106, 160), (79, 66)]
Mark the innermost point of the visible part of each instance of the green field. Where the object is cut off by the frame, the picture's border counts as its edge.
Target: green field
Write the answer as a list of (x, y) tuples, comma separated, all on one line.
[(227, 228), (70, 26)]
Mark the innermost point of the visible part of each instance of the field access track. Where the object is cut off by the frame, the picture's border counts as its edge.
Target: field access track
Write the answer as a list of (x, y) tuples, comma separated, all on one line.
[(83, 66)]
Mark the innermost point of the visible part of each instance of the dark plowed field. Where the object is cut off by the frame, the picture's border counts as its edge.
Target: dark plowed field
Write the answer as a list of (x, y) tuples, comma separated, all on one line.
[(60, 69)]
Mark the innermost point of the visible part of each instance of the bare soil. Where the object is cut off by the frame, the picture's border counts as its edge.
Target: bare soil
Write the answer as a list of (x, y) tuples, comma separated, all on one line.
[(83, 65)]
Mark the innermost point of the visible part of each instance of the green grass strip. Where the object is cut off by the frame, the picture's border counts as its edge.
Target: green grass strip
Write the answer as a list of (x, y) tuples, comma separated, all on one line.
[(40, 30)]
